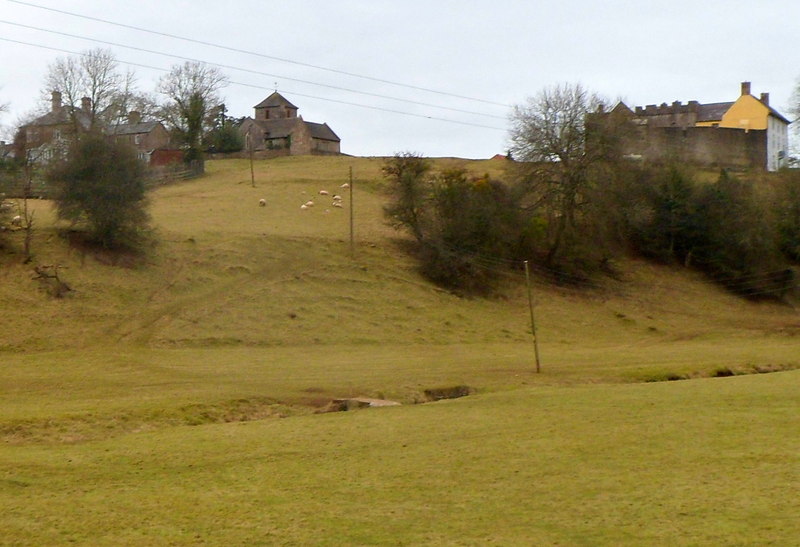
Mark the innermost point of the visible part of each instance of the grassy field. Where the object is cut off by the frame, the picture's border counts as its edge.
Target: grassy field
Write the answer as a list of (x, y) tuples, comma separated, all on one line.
[(703, 462), (144, 407)]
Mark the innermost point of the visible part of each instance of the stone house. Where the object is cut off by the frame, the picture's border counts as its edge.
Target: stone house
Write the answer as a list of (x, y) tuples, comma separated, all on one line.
[(47, 136), (145, 137), (277, 130), (746, 133)]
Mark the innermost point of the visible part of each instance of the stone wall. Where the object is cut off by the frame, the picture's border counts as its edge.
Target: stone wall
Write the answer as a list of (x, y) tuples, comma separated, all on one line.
[(676, 114), (266, 154), (300, 142), (703, 146), (325, 147)]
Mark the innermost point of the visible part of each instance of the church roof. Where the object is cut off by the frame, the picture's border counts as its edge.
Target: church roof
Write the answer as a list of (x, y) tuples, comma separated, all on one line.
[(276, 99), (322, 131), (283, 127)]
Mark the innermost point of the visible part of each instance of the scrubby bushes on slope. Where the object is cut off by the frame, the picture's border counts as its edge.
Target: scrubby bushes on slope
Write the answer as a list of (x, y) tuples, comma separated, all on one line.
[(742, 233)]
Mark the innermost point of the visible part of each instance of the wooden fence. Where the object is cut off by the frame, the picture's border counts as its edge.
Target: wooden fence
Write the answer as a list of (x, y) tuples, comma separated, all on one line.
[(14, 187)]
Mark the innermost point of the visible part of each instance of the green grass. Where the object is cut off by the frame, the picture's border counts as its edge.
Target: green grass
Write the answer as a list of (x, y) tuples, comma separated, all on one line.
[(143, 408), (89, 394), (708, 462)]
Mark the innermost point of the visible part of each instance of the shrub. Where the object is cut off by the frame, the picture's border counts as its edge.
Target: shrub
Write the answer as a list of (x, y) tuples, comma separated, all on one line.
[(463, 224), (409, 189), (101, 185), (787, 207), (225, 138), (736, 241), (661, 216)]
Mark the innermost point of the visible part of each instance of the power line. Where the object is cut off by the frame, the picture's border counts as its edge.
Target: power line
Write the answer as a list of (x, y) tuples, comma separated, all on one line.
[(359, 105), (260, 73), (257, 54)]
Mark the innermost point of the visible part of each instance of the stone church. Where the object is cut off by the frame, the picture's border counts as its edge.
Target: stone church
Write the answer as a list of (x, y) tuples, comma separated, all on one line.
[(277, 130)]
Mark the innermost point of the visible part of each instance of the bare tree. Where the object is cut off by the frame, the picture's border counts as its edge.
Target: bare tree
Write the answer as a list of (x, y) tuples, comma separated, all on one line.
[(25, 214), (4, 129), (794, 102), (549, 135), (128, 98), (192, 90), (409, 178), (550, 126), (92, 75), (25, 211), (794, 112)]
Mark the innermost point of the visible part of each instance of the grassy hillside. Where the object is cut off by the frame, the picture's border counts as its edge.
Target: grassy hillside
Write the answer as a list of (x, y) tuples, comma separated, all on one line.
[(239, 313), (226, 272), (231, 287)]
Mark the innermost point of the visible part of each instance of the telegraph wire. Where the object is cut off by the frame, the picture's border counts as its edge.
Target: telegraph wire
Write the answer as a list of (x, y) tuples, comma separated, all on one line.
[(494, 264), (258, 72), (257, 54), (349, 103), (512, 268)]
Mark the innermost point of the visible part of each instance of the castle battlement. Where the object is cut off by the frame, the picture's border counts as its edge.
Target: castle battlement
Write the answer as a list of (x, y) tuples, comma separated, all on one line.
[(665, 109)]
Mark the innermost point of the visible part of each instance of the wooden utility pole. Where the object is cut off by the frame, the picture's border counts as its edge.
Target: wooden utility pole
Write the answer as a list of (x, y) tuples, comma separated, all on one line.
[(352, 235), (533, 321), (252, 172)]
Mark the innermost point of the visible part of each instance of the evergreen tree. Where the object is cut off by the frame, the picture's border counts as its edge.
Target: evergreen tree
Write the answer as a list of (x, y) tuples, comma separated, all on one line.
[(101, 185)]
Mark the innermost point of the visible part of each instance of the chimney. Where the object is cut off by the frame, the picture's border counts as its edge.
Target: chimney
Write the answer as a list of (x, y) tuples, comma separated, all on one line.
[(55, 101), (601, 108), (86, 104), (765, 98), (745, 88), (134, 117)]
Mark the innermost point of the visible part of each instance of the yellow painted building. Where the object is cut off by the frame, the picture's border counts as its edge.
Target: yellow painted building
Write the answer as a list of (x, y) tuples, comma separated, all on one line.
[(747, 113)]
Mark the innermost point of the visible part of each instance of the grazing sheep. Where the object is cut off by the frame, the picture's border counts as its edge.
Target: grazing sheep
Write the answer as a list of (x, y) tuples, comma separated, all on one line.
[(304, 207), (16, 221), (309, 203), (337, 197), (345, 185), (337, 204), (323, 192), (262, 202)]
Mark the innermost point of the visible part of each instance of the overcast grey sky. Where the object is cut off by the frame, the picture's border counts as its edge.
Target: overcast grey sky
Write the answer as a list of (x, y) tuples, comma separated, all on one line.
[(499, 52)]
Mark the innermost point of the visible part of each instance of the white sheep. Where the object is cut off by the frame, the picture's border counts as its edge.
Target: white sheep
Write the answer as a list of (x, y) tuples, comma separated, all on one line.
[(337, 197), (16, 221), (262, 202), (304, 207), (323, 192), (337, 204), (345, 185), (309, 203)]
